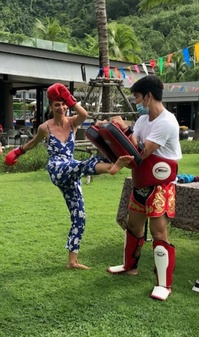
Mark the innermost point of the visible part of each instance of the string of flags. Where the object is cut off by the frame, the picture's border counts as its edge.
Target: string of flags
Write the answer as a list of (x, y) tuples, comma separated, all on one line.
[(121, 72), (186, 57), (180, 88), (134, 69)]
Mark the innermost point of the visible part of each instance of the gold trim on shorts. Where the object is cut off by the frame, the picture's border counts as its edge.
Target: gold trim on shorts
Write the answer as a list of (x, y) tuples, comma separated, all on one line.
[(160, 201)]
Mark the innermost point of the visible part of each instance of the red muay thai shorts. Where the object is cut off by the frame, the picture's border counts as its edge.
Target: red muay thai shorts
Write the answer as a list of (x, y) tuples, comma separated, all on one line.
[(154, 201)]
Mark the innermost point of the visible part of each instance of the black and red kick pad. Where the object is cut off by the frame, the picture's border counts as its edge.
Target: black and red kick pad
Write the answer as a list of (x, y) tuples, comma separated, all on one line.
[(113, 143)]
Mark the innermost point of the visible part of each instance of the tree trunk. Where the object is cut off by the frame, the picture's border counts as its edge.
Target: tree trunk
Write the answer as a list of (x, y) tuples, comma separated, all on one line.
[(100, 9)]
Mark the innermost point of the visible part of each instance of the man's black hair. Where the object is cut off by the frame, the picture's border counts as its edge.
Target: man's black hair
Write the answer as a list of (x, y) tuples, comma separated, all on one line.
[(149, 83)]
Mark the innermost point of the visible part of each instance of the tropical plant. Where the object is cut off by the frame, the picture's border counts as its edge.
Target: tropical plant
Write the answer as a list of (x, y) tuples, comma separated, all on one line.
[(87, 46), (123, 43), (13, 38), (175, 71), (90, 45), (117, 39), (147, 4), (50, 29), (193, 74), (100, 9)]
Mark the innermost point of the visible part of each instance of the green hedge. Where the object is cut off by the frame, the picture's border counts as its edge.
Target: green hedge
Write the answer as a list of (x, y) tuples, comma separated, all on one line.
[(33, 160), (37, 158), (189, 147)]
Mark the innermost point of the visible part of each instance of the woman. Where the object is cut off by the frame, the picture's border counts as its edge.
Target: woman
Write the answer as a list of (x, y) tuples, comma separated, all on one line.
[(66, 172)]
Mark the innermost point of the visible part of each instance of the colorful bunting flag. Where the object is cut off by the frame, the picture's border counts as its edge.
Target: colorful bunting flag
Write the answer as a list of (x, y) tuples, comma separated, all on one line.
[(130, 79), (169, 59), (117, 72), (196, 47), (100, 72), (111, 73), (161, 64), (136, 68), (122, 72), (129, 67), (145, 68), (152, 64), (106, 71), (186, 56)]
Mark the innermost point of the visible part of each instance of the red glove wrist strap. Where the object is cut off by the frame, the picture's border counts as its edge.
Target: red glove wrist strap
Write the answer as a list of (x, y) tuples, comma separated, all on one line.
[(22, 149)]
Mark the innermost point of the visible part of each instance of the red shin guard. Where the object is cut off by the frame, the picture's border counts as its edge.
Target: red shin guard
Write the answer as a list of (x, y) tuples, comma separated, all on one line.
[(132, 249)]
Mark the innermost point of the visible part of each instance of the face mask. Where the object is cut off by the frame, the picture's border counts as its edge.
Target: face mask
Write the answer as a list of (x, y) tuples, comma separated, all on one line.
[(141, 109)]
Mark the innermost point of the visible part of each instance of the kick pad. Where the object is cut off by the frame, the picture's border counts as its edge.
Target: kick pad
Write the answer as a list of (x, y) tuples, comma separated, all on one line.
[(119, 143), (92, 133)]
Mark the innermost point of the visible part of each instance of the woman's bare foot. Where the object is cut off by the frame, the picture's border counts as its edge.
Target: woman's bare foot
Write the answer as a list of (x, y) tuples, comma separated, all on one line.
[(120, 163), (73, 262), (76, 265)]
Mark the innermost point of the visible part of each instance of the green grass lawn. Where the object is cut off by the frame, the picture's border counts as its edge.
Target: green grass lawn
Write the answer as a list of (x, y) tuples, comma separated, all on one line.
[(40, 298)]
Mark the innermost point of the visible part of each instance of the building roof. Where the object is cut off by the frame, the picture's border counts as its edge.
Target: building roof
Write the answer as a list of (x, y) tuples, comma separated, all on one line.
[(27, 67)]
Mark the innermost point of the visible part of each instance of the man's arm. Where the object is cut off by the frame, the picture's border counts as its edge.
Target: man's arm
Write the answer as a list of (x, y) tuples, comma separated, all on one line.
[(148, 148)]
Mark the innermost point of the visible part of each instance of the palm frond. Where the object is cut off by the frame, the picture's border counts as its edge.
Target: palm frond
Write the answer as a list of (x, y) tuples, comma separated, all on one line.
[(148, 4)]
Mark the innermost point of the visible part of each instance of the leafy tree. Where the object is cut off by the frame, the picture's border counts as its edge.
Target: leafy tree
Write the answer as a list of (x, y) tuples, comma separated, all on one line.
[(123, 44), (120, 8), (147, 4), (101, 16), (51, 30), (88, 46), (157, 24), (13, 19), (175, 71), (192, 74), (13, 38), (167, 32)]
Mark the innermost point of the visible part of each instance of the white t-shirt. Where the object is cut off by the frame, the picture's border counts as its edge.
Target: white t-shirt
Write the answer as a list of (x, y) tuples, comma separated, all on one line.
[(163, 130)]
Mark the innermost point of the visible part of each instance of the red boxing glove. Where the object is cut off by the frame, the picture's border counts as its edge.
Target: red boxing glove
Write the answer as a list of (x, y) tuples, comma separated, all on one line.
[(58, 92), (12, 156)]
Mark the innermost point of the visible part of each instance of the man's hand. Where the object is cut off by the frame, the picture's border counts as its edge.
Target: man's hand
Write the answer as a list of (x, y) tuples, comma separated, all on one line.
[(100, 123), (118, 120)]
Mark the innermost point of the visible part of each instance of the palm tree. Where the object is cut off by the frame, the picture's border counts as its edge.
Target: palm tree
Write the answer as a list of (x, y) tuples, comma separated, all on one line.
[(120, 39), (123, 44), (50, 29), (100, 9)]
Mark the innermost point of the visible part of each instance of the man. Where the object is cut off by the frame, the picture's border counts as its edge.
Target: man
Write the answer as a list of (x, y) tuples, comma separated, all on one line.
[(156, 133)]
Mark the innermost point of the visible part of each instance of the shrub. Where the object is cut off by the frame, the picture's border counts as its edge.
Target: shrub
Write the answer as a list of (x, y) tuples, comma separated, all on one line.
[(190, 147), (33, 160)]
